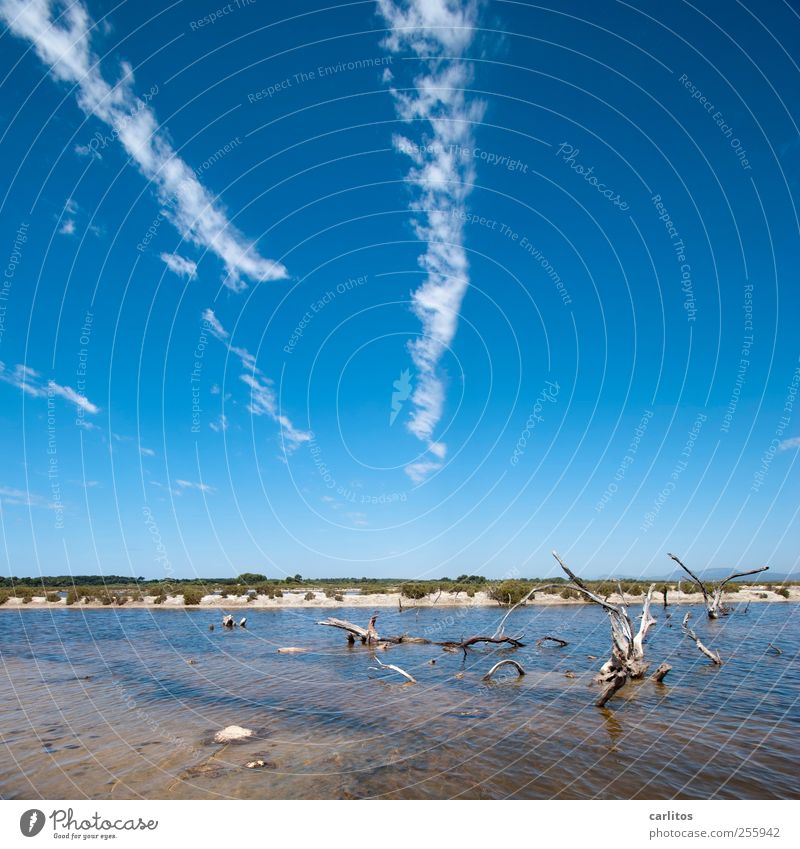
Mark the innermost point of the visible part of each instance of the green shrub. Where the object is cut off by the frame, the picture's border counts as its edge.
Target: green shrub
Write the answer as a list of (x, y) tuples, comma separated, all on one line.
[(470, 592), (159, 599), (106, 598), (510, 592), (4, 597), (53, 598), (763, 595), (568, 593), (309, 596), (414, 591), (783, 592), (732, 587), (72, 596), (338, 597), (192, 597), (121, 599), (277, 593)]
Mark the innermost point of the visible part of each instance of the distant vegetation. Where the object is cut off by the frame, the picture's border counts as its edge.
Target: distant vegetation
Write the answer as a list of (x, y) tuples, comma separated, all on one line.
[(118, 590)]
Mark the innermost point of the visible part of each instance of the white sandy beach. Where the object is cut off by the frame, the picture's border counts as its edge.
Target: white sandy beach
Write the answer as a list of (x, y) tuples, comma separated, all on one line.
[(297, 599)]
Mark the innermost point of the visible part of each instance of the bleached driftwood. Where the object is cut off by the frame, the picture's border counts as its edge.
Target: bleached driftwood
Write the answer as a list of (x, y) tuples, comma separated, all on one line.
[(627, 648), (507, 662), (711, 655), (366, 635), (394, 669), (713, 596)]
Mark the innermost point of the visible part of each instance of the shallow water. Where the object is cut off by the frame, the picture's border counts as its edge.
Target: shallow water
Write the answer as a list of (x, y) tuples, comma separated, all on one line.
[(124, 704)]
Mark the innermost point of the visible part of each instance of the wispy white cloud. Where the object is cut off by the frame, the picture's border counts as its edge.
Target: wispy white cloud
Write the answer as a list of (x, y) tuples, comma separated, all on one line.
[(67, 228), (419, 471), (438, 32), (263, 401), (184, 484), (32, 383), (9, 495), (220, 425), (788, 444), (61, 37), (180, 265), (146, 452)]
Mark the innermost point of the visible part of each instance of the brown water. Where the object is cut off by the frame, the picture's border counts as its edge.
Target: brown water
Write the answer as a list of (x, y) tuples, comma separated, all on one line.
[(105, 704)]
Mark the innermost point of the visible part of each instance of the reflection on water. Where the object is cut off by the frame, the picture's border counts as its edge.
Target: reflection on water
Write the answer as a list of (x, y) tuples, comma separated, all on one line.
[(125, 703)]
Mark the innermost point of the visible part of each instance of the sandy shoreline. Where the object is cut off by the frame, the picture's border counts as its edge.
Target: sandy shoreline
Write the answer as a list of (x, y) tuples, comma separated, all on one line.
[(297, 599)]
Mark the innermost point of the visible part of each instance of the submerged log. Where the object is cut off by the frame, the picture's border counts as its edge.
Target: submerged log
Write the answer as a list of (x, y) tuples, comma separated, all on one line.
[(713, 596), (614, 682), (507, 662), (661, 672), (561, 643)]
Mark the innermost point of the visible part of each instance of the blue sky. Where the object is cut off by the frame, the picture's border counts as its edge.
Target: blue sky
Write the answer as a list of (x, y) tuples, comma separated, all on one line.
[(398, 289)]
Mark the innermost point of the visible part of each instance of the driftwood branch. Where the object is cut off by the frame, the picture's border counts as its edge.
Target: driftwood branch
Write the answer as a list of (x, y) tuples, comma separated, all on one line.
[(711, 655), (615, 682), (561, 643), (661, 672), (366, 635), (627, 649), (507, 662), (713, 596), (394, 669)]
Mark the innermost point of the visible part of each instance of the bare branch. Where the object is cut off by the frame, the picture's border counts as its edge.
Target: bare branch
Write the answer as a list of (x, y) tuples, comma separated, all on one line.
[(507, 662), (394, 669), (712, 656), (741, 575), (691, 575)]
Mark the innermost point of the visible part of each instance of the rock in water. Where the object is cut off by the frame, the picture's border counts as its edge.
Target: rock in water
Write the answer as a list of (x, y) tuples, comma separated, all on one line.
[(231, 733)]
